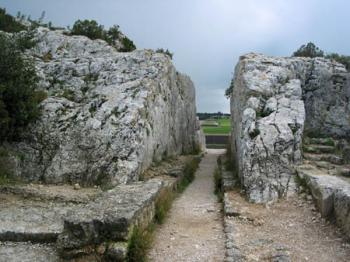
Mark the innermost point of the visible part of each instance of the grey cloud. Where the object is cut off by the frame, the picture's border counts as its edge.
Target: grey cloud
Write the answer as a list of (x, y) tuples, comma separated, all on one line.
[(208, 36)]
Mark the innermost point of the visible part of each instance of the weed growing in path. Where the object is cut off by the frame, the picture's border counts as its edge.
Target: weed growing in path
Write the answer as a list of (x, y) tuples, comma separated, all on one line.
[(163, 205), (189, 173), (218, 180)]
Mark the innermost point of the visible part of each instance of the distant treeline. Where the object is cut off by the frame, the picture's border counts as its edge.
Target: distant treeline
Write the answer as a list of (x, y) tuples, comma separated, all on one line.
[(203, 116)]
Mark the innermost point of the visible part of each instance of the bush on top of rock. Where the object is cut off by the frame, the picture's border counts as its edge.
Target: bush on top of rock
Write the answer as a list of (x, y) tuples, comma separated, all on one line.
[(9, 24), (311, 50), (93, 30)]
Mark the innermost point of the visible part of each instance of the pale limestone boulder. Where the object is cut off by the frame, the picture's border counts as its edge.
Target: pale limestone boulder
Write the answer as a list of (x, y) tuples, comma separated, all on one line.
[(108, 115), (274, 101)]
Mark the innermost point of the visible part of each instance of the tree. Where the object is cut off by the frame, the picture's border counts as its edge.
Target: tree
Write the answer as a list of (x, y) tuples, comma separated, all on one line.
[(89, 28), (309, 50), (18, 96), (93, 30), (113, 34), (128, 45), (229, 90)]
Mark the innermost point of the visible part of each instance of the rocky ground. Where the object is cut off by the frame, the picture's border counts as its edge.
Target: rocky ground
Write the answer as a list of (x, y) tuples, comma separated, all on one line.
[(38, 222), (193, 230), (289, 230)]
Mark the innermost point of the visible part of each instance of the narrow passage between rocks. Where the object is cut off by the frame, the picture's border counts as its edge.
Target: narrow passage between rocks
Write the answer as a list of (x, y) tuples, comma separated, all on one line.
[(193, 230)]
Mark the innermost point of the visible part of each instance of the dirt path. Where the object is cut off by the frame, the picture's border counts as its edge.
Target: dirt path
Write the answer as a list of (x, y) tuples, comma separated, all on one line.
[(193, 230), (291, 227)]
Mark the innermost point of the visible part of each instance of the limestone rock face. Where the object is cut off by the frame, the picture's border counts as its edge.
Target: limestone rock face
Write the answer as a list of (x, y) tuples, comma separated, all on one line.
[(108, 115), (273, 101)]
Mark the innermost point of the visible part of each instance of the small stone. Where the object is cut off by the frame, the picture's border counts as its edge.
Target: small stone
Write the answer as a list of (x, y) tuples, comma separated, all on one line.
[(77, 186), (101, 249)]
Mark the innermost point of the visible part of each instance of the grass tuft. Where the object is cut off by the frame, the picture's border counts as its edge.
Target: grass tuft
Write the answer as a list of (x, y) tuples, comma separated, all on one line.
[(163, 205), (139, 242), (189, 172), (218, 184)]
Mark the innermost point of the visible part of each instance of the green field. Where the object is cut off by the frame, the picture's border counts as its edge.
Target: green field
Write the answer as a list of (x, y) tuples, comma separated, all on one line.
[(224, 127)]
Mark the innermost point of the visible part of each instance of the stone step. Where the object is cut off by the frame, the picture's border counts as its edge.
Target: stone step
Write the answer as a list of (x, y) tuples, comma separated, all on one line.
[(111, 217), (318, 149), (331, 194), (62, 193), (27, 252), (332, 158), (321, 141), (331, 169), (28, 220)]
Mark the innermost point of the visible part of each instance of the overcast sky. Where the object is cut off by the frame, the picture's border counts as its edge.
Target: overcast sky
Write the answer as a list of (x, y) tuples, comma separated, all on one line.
[(208, 36)]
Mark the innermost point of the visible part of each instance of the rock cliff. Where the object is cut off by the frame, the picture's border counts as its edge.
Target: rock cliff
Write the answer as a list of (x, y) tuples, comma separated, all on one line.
[(273, 103), (108, 115)]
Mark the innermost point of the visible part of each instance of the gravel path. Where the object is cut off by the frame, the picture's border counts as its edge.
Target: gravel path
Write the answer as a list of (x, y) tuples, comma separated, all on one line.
[(193, 230)]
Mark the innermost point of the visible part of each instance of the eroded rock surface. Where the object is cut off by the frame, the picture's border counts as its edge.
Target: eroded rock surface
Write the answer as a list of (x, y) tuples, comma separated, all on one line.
[(331, 194), (274, 100), (108, 115), (27, 252)]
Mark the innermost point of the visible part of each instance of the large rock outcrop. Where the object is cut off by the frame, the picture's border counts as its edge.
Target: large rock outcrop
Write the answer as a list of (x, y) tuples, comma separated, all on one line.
[(108, 115), (274, 100)]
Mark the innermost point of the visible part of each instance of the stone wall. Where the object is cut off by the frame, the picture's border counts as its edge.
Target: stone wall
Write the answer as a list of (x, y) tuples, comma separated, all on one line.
[(271, 99), (108, 115)]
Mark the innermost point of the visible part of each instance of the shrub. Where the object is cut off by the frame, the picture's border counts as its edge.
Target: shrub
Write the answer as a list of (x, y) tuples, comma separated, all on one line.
[(68, 94), (93, 30), (9, 24), (345, 60), (89, 28), (18, 98), (166, 52), (309, 50), (229, 90), (329, 142), (128, 45)]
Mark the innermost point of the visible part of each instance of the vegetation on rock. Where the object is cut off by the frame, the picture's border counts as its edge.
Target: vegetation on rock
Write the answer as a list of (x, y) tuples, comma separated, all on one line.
[(229, 90), (166, 52), (9, 24), (311, 50), (343, 59), (93, 30)]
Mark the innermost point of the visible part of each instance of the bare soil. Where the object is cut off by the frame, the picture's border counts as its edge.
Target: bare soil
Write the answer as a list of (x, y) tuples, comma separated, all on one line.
[(293, 224), (193, 230)]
